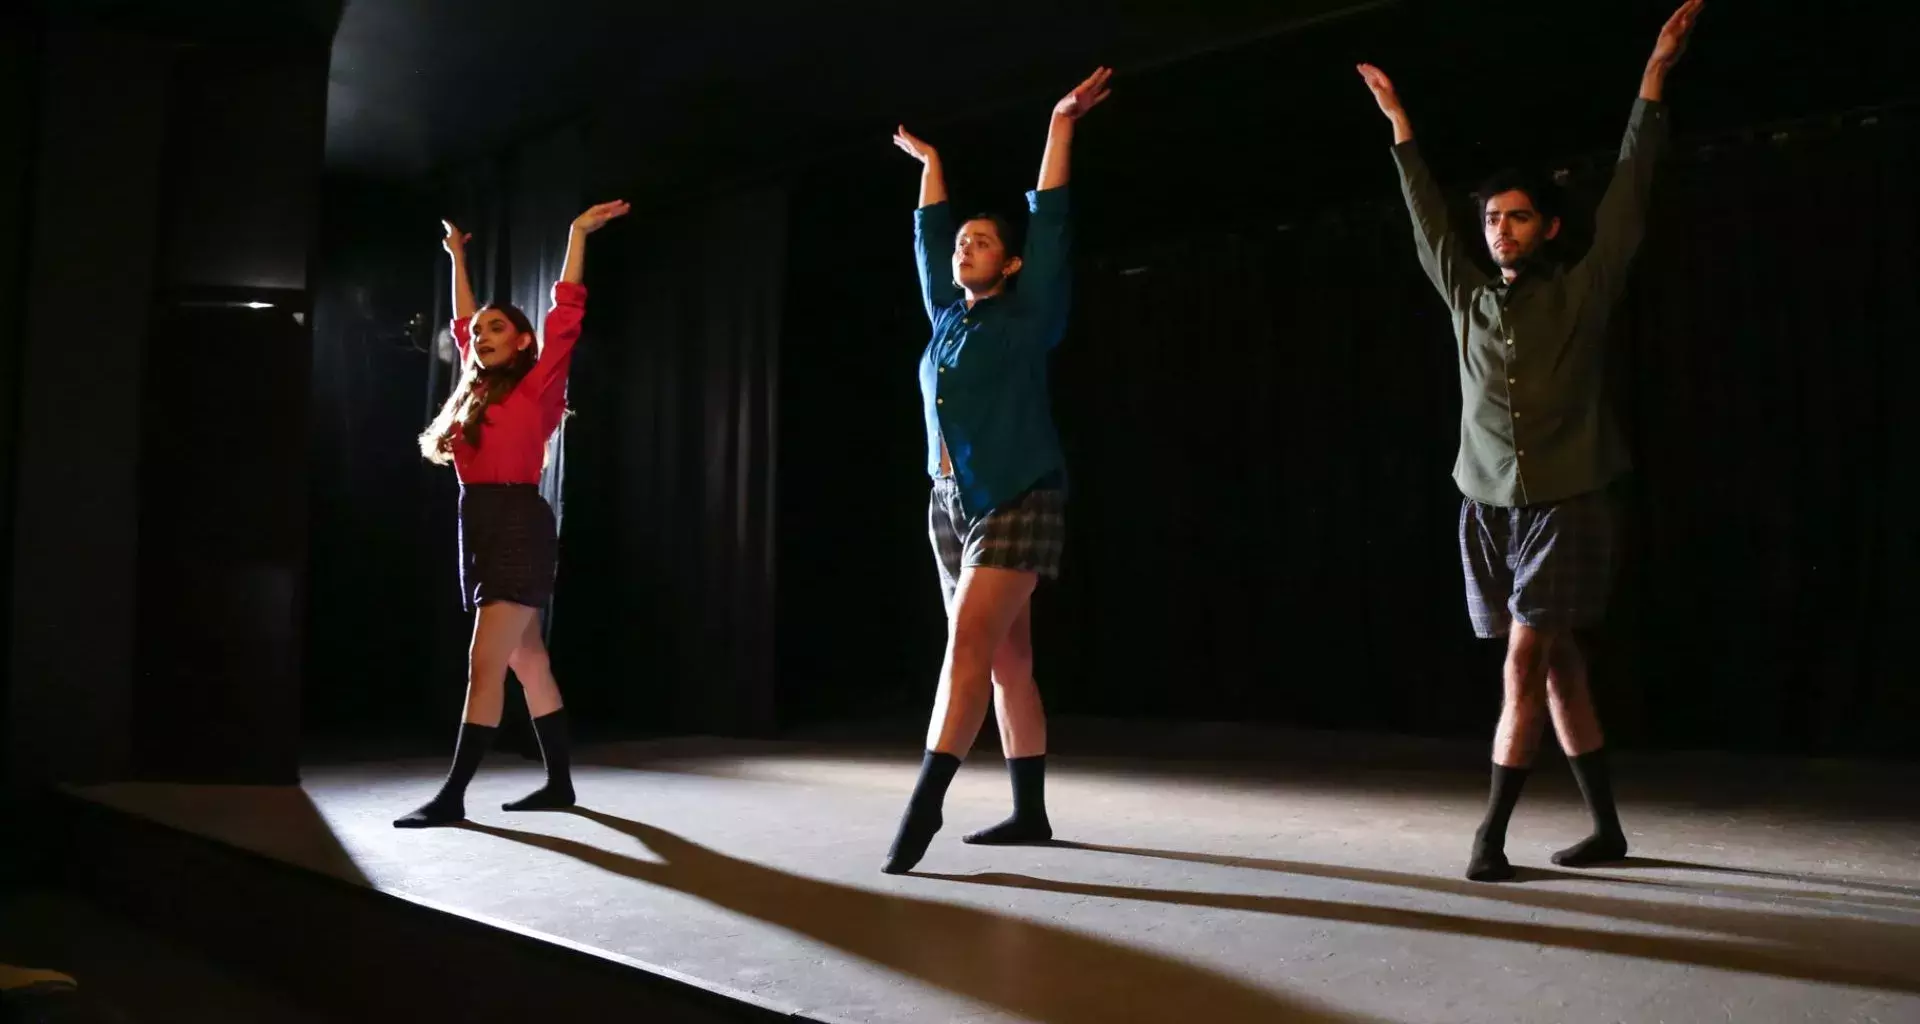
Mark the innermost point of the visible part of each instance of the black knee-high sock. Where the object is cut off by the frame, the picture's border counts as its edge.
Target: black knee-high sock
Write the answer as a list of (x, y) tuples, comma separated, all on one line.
[(1608, 842), (449, 804), (1029, 822), (551, 728), (923, 818), (1489, 860)]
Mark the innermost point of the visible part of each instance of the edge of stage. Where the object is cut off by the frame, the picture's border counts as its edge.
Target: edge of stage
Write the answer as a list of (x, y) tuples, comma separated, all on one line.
[(1263, 874)]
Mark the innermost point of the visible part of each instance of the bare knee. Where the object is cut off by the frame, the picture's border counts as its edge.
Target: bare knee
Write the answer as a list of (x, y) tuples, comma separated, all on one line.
[(1566, 663), (486, 668), (529, 662), (1013, 660), (972, 649), (1528, 655)]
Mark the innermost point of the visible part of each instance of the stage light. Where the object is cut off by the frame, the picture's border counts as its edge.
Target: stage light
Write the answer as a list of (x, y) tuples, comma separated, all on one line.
[(258, 305)]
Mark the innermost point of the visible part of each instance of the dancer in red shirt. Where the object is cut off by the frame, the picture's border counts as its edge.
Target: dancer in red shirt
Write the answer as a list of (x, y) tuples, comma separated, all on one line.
[(494, 429)]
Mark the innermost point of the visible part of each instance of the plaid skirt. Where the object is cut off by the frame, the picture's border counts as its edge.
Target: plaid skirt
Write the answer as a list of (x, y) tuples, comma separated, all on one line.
[(1025, 534), (508, 547), (1546, 566)]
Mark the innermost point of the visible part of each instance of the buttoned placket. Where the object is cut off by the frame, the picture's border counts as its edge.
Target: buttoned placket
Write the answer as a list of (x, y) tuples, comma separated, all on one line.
[(1501, 296), (940, 370)]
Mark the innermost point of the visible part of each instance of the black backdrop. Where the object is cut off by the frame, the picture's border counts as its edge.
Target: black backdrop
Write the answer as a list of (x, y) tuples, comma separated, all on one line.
[(1260, 405), (1258, 401), (1261, 418)]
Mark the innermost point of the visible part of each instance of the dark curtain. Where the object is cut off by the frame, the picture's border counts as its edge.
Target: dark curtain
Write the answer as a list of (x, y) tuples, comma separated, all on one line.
[(19, 72), (381, 549), (1769, 376), (1261, 417), (1291, 396), (667, 567), (389, 636)]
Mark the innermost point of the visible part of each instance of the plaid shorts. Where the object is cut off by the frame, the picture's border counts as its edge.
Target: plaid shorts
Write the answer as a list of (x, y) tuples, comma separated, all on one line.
[(1025, 534), (1547, 566), (508, 547)]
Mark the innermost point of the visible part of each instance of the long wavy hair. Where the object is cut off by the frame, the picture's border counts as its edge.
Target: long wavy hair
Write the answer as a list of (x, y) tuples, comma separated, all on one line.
[(479, 388)]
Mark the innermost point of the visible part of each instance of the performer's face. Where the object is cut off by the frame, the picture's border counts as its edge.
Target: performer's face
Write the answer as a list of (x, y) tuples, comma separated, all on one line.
[(1515, 230), (496, 339), (980, 260)]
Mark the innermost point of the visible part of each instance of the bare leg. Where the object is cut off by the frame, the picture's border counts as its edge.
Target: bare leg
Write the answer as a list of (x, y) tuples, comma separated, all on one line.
[(1574, 720), (983, 608), (533, 667), (1522, 714), (1524, 699), (1023, 737), (497, 630), (1578, 726), (1016, 698)]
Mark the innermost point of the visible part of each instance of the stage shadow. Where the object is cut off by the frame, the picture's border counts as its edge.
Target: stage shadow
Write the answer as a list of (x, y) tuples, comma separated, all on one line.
[(1705, 919), (1909, 892), (1038, 971), (1876, 954)]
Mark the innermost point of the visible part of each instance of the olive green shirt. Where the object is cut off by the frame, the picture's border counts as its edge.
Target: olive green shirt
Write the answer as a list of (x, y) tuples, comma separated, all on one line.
[(1534, 426)]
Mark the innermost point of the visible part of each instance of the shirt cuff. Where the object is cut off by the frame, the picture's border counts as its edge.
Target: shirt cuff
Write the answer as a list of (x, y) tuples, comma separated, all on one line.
[(1407, 154), (1053, 200), (566, 293)]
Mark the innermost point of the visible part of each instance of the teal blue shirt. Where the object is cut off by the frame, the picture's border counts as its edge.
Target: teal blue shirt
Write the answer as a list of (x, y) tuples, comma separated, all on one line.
[(983, 376)]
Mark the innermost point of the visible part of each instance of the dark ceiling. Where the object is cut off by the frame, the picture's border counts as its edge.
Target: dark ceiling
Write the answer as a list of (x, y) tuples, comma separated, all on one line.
[(418, 83)]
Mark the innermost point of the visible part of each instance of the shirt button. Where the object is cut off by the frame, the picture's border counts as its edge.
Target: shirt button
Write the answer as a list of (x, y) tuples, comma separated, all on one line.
[(939, 401), (944, 369), (1521, 452), (1510, 380)]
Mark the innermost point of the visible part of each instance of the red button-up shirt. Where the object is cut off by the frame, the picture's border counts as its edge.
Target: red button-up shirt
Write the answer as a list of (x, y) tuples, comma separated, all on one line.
[(513, 440)]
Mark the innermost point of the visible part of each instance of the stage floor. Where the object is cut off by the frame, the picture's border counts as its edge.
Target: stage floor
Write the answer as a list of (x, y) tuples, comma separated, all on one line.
[(1324, 887)]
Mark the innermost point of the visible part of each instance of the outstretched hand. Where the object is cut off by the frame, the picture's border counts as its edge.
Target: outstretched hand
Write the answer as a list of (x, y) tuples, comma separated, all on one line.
[(914, 147), (1383, 91), (1673, 36), (597, 217), (456, 242), (1085, 96)]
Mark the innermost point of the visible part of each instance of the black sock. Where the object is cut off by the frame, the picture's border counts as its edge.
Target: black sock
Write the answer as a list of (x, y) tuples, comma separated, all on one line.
[(1029, 822), (1489, 860), (449, 805), (1608, 842), (922, 819), (551, 728)]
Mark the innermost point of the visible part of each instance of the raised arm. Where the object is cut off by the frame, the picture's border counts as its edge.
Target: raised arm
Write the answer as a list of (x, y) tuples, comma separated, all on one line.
[(463, 305), (1442, 254), (1055, 163), (1667, 50), (933, 178), (574, 271), (1619, 222), (932, 226), (1046, 262), (561, 328)]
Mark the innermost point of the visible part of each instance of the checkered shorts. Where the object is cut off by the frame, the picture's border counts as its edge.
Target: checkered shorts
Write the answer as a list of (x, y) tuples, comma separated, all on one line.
[(1025, 534), (1547, 566), (508, 547)]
